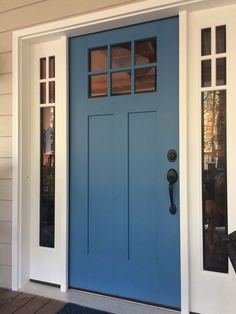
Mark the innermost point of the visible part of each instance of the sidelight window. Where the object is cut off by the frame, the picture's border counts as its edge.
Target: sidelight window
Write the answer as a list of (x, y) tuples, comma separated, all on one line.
[(214, 167), (47, 152)]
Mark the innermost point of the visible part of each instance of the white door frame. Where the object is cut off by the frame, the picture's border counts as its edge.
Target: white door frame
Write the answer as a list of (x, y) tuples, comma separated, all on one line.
[(106, 19)]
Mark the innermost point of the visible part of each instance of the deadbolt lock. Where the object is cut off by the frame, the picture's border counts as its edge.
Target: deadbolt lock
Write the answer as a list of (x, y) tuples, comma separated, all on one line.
[(172, 155)]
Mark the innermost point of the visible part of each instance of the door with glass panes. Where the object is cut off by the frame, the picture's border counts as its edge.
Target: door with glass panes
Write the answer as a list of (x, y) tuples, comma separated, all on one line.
[(124, 209)]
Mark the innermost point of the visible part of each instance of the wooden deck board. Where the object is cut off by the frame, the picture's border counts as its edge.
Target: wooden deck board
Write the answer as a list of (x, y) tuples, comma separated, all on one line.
[(24, 303), (2, 290), (7, 296), (19, 301), (33, 305), (51, 308)]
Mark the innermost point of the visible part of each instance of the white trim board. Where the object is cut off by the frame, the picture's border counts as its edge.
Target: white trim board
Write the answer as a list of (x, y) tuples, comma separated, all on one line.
[(106, 19)]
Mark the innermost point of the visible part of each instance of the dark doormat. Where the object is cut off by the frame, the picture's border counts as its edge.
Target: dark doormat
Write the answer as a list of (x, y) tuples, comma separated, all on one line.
[(71, 308)]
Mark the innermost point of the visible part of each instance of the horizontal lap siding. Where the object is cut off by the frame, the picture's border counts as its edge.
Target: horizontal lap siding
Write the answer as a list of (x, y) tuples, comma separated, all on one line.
[(5, 104), (7, 5), (5, 190), (5, 41), (44, 11), (5, 168), (5, 232), (5, 84), (5, 276), (16, 14), (5, 254), (5, 147), (5, 125), (5, 213), (5, 62)]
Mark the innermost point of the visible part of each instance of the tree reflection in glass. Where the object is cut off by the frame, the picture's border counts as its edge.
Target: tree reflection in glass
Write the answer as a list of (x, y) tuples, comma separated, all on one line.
[(214, 179), (47, 177)]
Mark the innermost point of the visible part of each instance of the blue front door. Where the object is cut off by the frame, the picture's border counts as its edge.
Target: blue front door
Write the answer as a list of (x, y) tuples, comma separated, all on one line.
[(123, 121)]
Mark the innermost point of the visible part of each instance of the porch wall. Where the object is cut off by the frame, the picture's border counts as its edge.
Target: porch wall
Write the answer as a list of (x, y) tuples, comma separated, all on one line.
[(16, 14)]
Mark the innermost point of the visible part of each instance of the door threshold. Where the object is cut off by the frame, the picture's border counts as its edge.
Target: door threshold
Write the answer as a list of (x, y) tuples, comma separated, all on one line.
[(117, 297), (93, 300)]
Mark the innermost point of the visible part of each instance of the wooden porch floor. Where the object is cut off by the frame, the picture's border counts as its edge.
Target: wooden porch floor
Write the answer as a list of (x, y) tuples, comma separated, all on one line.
[(24, 303)]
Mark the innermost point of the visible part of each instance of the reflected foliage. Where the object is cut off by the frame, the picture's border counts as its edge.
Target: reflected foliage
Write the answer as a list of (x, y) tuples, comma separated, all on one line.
[(47, 176), (214, 179)]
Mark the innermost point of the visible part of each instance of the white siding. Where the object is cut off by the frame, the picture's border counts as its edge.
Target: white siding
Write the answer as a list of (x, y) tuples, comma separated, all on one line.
[(7, 5), (5, 147), (5, 125), (5, 190), (5, 232), (16, 14), (5, 254), (5, 83), (5, 103), (5, 62), (5, 213), (5, 168), (44, 11), (5, 41), (5, 276)]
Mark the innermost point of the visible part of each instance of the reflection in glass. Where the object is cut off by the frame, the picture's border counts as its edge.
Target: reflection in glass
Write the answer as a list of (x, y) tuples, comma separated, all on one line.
[(206, 73), (220, 39), (145, 51), (214, 180), (98, 59), (43, 93), (52, 92), (51, 67), (221, 71), (47, 177), (206, 41), (145, 80), (42, 68), (98, 85), (121, 83), (121, 55)]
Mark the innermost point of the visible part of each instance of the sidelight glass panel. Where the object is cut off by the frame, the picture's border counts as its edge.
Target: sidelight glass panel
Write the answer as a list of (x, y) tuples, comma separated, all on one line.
[(98, 59), (220, 39), (206, 42), (145, 80), (43, 93), (214, 188), (51, 67), (98, 85), (121, 55), (145, 51), (221, 71), (121, 83), (43, 63), (47, 177), (206, 73), (52, 92)]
